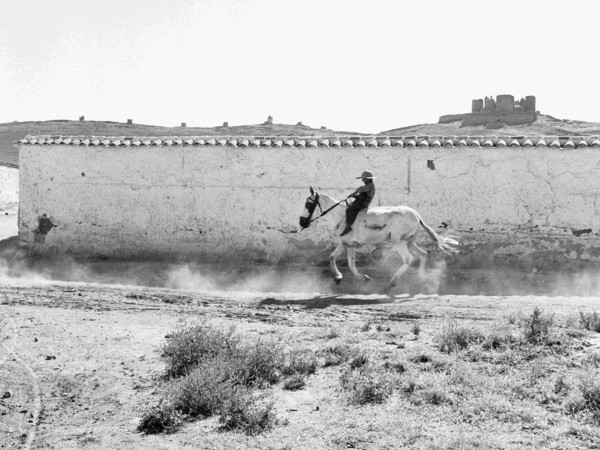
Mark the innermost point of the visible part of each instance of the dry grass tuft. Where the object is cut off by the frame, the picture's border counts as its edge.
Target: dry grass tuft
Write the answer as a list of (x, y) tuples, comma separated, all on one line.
[(590, 321), (367, 385)]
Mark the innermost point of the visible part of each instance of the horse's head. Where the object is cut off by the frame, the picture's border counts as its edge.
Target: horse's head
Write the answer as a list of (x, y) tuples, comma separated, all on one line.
[(309, 208)]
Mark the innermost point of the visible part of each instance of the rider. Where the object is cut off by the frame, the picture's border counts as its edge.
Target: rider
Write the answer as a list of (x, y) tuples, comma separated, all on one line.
[(363, 197)]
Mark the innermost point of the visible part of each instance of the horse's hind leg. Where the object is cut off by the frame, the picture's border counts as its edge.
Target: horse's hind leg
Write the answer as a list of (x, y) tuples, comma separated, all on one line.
[(421, 255), (337, 275), (352, 264), (402, 249)]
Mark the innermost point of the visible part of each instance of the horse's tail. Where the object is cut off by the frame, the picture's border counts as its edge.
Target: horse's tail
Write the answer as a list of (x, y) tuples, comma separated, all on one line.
[(447, 244)]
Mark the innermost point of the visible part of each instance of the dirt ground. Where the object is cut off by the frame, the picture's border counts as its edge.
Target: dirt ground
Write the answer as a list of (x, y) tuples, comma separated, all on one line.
[(79, 361)]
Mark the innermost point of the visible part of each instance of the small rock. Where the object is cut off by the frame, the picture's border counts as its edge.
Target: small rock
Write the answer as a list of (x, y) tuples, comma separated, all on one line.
[(7, 394), (35, 339), (23, 411), (317, 408), (49, 357)]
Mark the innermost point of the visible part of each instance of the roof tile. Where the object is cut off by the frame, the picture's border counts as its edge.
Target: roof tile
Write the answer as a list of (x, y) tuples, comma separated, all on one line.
[(323, 142), (555, 144)]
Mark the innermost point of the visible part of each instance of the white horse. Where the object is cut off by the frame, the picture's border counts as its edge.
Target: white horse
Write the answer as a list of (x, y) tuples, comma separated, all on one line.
[(396, 224)]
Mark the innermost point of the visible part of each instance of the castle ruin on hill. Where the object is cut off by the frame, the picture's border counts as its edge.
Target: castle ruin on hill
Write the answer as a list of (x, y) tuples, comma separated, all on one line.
[(496, 113)]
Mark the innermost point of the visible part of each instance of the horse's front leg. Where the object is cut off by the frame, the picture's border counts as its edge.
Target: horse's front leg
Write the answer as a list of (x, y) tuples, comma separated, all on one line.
[(352, 264), (337, 275)]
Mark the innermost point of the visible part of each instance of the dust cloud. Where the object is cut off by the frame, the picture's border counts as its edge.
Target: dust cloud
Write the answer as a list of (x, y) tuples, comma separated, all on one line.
[(19, 270), (442, 277)]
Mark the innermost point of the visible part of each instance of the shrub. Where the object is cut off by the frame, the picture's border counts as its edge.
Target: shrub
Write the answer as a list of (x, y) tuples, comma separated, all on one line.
[(537, 327), (258, 363), (499, 338), (336, 355), (301, 362), (396, 367), (590, 391), (213, 372), (294, 383), (421, 358), (359, 361), (161, 418), (366, 385), (247, 411), (454, 337), (560, 386), (201, 393), (590, 321), (416, 329), (190, 344), (436, 396)]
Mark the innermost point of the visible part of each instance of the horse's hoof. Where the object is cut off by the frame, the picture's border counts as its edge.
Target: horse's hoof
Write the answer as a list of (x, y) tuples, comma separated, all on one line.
[(337, 280), (367, 277)]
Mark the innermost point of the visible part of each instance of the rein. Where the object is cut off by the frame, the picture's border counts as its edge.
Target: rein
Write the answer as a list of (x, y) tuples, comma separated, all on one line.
[(311, 220)]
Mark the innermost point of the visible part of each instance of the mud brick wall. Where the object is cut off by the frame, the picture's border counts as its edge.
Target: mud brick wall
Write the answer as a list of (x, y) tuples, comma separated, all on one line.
[(531, 205)]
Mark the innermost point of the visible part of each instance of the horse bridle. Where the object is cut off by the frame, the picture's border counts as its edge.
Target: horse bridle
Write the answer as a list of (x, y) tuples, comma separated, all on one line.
[(311, 206)]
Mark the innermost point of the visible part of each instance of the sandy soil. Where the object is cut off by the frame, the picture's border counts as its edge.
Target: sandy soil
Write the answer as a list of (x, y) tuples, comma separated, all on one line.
[(79, 361)]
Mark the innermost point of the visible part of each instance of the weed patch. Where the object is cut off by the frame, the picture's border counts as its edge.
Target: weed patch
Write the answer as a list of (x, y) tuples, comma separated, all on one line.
[(300, 362), (454, 337), (590, 392), (337, 354), (215, 372), (294, 383), (537, 327), (590, 321), (247, 411), (190, 344), (162, 418), (359, 361), (367, 385)]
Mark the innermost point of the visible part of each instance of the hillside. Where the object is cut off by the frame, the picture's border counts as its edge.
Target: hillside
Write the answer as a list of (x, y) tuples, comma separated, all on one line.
[(10, 132), (545, 125)]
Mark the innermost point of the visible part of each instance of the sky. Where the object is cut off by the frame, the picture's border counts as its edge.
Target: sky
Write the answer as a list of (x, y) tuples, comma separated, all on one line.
[(364, 66)]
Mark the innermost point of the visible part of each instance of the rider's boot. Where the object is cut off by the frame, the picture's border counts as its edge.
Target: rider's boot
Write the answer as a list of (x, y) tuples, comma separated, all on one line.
[(347, 230)]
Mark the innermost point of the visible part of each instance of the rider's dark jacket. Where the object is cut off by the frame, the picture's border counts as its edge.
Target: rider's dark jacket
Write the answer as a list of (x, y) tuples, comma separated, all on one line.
[(364, 196)]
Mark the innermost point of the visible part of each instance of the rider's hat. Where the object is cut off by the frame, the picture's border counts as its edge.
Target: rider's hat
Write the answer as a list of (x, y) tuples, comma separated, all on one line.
[(366, 174)]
